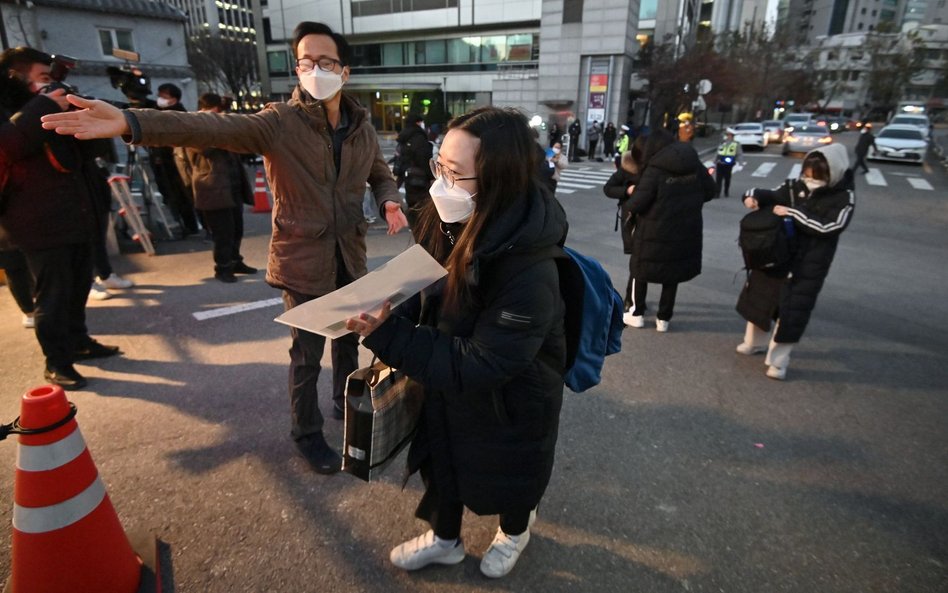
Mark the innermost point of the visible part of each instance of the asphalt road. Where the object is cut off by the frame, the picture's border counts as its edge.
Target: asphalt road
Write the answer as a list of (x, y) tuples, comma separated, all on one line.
[(685, 470)]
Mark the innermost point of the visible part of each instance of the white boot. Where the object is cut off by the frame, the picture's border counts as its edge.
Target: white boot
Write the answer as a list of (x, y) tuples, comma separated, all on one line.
[(755, 340)]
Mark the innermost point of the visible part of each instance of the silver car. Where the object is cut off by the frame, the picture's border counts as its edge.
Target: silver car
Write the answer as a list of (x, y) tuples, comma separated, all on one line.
[(774, 129), (904, 143), (805, 138)]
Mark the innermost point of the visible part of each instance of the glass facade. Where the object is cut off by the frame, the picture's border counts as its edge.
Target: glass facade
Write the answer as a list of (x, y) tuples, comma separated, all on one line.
[(376, 7), (449, 55)]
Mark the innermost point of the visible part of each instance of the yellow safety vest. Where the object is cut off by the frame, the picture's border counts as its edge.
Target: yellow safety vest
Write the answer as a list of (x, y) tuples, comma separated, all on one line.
[(728, 149), (623, 144)]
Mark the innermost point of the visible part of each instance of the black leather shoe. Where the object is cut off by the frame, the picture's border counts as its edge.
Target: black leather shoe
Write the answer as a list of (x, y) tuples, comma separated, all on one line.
[(93, 349), (243, 268), (319, 454), (226, 277), (67, 377)]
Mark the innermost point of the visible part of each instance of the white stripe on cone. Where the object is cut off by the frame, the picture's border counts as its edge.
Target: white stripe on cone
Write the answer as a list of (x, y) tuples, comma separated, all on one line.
[(58, 516), (41, 458)]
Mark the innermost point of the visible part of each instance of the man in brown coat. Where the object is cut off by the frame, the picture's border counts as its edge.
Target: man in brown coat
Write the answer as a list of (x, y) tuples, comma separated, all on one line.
[(220, 189), (319, 150)]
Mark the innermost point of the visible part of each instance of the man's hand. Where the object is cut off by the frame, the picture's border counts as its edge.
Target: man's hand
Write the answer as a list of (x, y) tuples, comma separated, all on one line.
[(781, 210), (59, 95), (750, 202), (94, 119), (629, 190), (395, 217)]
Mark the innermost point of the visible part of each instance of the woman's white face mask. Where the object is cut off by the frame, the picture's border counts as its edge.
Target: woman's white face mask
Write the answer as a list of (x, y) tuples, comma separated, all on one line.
[(453, 205), (812, 184), (321, 85)]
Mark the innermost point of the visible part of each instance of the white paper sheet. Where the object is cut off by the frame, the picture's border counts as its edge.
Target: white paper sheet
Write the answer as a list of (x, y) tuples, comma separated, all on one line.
[(395, 281)]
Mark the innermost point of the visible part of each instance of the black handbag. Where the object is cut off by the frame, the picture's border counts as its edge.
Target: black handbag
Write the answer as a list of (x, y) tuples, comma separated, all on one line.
[(382, 410)]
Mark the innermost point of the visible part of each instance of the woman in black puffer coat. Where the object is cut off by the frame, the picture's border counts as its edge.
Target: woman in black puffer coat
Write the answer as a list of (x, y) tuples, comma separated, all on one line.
[(820, 204), (620, 187), (488, 346), (666, 243)]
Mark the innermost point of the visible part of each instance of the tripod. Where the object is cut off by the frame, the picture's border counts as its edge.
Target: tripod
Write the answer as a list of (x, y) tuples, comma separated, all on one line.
[(135, 170)]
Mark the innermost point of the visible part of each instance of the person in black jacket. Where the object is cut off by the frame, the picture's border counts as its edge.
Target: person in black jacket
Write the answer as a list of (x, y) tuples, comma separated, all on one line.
[(48, 213), (820, 203), (666, 244), (574, 131), (173, 190), (609, 140), (866, 140), (487, 347), (414, 152), (620, 186)]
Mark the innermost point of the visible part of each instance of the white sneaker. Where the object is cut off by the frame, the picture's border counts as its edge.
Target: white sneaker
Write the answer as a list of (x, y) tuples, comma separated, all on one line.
[(28, 321), (777, 373), (115, 281), (633, 320), (99, 293), (503, 553), (424, 550), (661, 325), (744, 348)]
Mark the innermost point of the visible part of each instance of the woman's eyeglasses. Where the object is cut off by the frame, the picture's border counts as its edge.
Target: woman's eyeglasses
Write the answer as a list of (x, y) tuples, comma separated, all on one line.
[(449, 176)]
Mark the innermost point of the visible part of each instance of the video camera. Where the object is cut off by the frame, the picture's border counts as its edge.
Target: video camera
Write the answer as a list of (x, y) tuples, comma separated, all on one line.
[(58, 69)]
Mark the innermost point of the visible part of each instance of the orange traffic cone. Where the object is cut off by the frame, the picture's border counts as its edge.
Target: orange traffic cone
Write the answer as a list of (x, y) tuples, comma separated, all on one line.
[(66, 535), (261, 194)]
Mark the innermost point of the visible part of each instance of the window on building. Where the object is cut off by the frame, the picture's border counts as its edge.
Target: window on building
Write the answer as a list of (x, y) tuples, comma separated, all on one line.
[(435, 52), (464, 50), (647, 9), (519, 48), (278, 62), (393, 54), (115, 39), (267, 32), (863, 11), (494, 48), (573, 11)]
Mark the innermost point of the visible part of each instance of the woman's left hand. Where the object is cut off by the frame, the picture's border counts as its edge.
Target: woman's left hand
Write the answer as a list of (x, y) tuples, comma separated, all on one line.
[(780, 210), (365, 324)]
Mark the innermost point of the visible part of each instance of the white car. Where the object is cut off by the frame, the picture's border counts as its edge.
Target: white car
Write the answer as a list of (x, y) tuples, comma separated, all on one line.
[(919, 121), (750, 134), (774, 129), (899, 142)]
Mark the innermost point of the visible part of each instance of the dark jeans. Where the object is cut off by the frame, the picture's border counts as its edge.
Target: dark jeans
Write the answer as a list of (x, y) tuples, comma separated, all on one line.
[(63, 277), (19, 279), (666, 302), (592, 148), (306, 352), (445, 515), (100, 254), (573, 141), (227, 231), (722, 175), (861, 162)]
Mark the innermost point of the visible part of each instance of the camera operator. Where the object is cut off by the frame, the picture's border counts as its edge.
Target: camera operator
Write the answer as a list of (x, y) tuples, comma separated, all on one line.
[(48, 212), (169, 182)]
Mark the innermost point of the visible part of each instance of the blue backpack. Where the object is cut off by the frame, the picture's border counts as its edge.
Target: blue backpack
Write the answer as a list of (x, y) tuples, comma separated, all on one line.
[(593, 320)]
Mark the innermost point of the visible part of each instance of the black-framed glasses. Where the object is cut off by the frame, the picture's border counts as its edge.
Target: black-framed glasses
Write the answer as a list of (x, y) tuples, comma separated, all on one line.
[(449, 176), (325, 64)]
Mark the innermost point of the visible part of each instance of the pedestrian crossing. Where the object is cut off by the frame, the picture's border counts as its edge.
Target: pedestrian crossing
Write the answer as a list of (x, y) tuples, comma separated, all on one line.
[(875, 177), (580, 178)]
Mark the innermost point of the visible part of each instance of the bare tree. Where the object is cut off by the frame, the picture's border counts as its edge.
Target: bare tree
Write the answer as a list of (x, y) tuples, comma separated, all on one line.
[(894, 59), (219, 62)]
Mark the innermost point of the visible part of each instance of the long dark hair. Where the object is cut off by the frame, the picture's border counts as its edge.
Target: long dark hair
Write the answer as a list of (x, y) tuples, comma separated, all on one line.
[(505, 166)]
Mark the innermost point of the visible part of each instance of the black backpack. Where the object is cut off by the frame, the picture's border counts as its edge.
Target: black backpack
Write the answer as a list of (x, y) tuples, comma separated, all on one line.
[(765, 240)]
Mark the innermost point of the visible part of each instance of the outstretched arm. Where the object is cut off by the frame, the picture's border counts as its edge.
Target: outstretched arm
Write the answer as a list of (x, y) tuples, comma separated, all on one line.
[(93, 119)]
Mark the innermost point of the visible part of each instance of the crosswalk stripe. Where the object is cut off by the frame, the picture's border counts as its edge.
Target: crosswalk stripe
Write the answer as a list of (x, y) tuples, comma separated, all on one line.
[(794, 171), (874, 177), (575, 185), (763, 170), (586, 175), (919, 183), (562, 190)]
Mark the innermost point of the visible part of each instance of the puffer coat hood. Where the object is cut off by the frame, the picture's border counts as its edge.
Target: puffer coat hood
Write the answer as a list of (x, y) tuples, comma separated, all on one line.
[(838, 160)]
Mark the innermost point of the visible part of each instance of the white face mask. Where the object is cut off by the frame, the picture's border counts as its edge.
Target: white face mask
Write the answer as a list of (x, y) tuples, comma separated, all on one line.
[(812, 184), (556, 150), (163, 103), (453, 205), (321, 85)]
